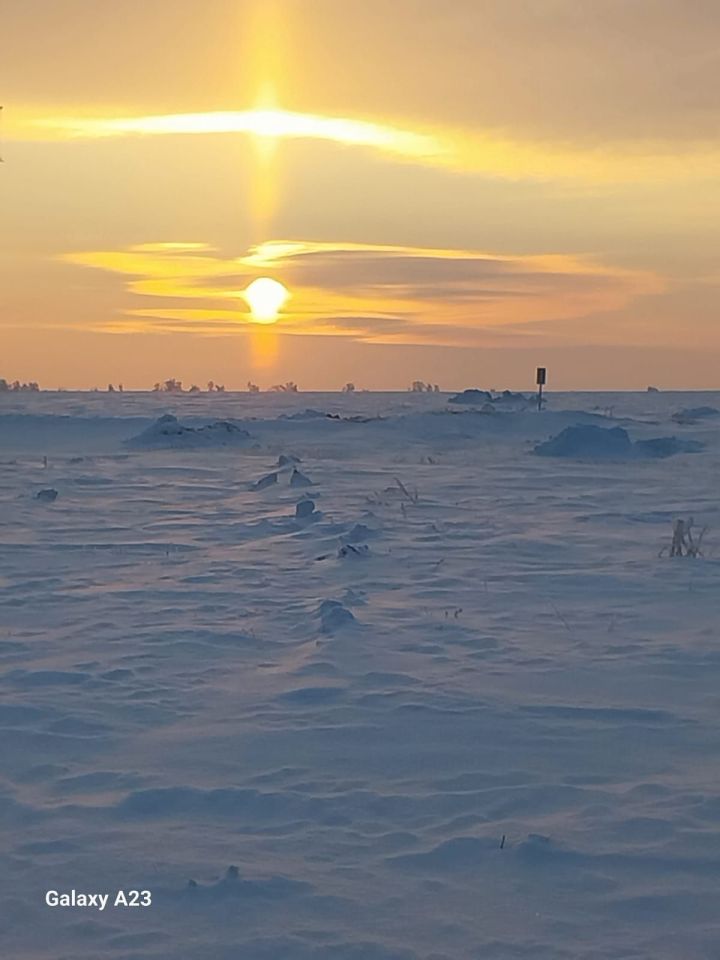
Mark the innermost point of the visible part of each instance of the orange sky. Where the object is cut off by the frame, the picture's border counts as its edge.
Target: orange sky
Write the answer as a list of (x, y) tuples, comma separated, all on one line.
[(450, 192)]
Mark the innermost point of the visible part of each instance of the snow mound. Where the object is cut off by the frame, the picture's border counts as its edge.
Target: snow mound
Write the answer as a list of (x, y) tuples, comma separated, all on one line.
[(587, 440), (333, 615), (269, 480), (660, 447), (489, 403), (167, 431), (600, 443), (307, 414), (472, 396), (298, 479), (508, 397), (304, 509), (695, 413)]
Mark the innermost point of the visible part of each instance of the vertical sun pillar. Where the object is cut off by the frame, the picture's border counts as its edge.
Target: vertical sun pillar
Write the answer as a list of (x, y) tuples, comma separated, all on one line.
[(268, 57)]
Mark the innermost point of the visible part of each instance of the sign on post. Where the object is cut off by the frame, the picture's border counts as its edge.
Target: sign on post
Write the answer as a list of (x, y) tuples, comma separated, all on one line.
[(540, 380)]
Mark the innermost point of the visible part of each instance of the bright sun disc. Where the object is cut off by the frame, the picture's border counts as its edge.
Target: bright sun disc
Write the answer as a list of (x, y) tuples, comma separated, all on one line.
[(265, 298)]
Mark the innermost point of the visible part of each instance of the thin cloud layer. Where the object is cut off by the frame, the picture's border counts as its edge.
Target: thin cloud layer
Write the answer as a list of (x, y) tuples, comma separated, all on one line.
[(370, 293), (551, 70), (490, 152)]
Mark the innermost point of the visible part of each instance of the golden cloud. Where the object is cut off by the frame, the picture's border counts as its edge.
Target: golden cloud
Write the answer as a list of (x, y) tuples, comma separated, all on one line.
[(373, 293)]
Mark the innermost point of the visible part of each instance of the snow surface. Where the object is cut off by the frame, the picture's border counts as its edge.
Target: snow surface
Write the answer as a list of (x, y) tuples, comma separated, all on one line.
[(308, 731)]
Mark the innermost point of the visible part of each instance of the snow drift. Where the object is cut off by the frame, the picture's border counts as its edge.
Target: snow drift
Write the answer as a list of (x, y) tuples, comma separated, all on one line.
[(167, 431), (587, 441), (693, 414)]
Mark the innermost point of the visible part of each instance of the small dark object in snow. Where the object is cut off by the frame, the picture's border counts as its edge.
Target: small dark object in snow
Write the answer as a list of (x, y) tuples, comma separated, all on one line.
[(298, 479), (304, 509), (267, 481), (348, 550), (684, 543), (232, 873), (354, 419), (47, 496)]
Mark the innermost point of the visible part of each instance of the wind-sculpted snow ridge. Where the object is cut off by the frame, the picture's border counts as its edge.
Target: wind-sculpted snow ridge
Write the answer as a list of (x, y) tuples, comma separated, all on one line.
[(167, 431), (591, 442), (447, 702)]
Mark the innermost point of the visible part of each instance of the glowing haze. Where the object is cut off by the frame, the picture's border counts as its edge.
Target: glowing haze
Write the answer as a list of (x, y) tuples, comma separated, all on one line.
[(322, 192)]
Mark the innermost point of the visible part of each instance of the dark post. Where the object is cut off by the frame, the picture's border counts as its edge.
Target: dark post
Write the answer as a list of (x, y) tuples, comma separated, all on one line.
[(540, 379)]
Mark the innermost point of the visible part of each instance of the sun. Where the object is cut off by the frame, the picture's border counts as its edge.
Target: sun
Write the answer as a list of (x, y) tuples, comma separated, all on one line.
[(265, 298)]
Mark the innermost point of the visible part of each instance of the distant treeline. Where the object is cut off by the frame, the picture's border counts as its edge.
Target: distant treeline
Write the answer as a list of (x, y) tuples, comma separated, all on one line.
[(176, 386), (17, 387)]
